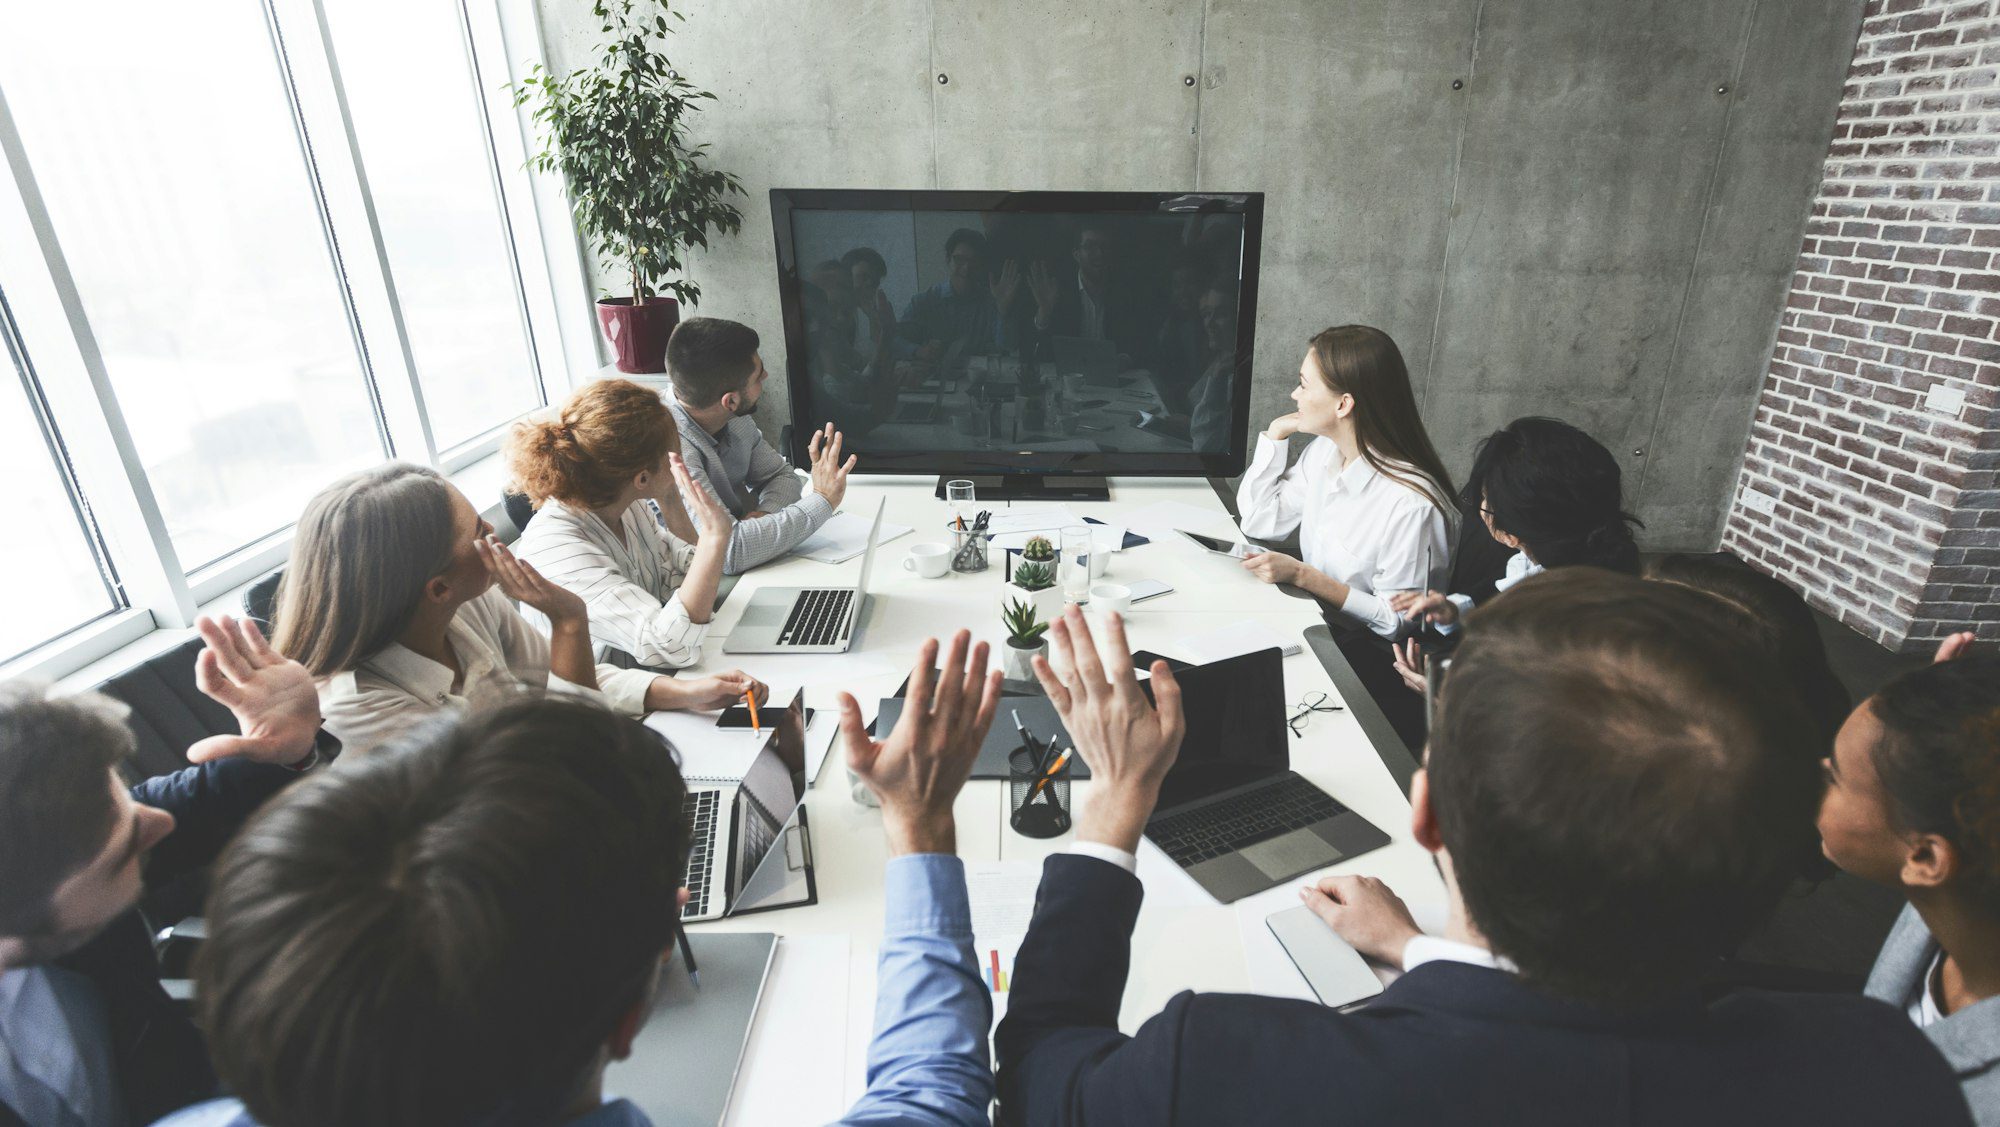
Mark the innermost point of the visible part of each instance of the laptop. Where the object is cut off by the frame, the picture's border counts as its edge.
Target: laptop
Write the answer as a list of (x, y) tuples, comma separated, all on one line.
[(1231, 811), (750, 849), (1095, 360), (789, 620)]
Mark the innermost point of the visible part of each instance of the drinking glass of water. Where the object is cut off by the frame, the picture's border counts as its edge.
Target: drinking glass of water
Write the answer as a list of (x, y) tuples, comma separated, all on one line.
[(1074, 570)]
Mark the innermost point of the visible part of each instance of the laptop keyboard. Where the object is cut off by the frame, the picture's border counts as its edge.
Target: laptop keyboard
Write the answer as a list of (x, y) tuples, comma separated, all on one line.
[(1224, 827), (699, 809), (819, 617)]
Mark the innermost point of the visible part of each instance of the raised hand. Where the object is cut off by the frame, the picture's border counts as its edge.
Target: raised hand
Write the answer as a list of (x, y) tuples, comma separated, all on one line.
[(1272, 567), (272, 697), (709, 510), (1431, 606), (1363, 911), (1954, 647), (1128, 742), (1007, 284), (829, 474), (1283, 427), (518, 580), (917, 772)]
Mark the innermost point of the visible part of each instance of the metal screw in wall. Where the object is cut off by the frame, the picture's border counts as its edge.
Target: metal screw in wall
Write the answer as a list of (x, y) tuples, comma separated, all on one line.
[(1722, 89), (1458, 84), (944, 80), (1639, 453), (1187, 80)]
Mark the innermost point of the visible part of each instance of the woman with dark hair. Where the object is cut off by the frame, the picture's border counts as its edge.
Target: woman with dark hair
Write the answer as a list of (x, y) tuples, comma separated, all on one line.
[(1913, 802), (1550, 492), (1369, 498)]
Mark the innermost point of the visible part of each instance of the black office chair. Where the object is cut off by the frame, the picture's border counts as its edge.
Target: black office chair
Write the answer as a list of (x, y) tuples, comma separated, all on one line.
[(520, 510), (260, 602), (1480, 561)]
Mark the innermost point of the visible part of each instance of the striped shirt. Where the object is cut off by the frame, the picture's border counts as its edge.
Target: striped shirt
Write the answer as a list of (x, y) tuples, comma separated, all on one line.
[(498, 654), (747, 474), (630, 585)]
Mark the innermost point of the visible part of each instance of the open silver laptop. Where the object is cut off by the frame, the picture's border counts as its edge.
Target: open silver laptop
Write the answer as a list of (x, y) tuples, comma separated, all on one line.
[(748, 847), (784, 620)]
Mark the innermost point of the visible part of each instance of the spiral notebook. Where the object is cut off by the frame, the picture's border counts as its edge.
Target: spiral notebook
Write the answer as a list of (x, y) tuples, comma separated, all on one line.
[(712, 756)]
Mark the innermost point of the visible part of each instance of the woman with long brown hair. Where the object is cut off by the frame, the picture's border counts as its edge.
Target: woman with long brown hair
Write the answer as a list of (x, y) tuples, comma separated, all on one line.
[(1369, 498)]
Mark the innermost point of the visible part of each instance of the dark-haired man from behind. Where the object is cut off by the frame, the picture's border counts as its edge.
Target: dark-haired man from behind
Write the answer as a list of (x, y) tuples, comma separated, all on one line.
[(87, 1034), (464, 929), (718, 377), (1612, 792)]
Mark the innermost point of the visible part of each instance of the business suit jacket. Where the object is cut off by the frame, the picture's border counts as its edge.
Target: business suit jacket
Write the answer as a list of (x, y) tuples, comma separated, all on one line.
[(1448, 1043), (1968, 1039), (160, 1058), (1125, 323)]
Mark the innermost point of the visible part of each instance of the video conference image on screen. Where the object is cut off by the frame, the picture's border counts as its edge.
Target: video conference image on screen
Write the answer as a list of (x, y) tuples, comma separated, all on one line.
[(1018, 332)]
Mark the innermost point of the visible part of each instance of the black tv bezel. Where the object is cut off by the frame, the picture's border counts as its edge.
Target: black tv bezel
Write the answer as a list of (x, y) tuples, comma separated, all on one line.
[(1228, 463)]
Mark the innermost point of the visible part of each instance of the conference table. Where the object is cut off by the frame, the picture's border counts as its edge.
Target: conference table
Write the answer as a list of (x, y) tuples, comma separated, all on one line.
[(807, 1044)]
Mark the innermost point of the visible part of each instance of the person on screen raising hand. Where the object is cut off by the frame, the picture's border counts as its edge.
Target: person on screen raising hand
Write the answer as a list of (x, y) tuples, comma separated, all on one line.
[(398, 598), (1608, 794), (468, 927), (718, 379), (1369, 498), (88, 1038)]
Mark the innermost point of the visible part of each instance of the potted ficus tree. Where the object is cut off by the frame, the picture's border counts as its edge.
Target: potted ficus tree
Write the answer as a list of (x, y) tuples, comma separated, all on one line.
[(616, 131)]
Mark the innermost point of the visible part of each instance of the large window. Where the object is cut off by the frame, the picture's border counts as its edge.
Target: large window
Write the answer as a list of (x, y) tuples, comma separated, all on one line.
[(257, 245), (49, 547)]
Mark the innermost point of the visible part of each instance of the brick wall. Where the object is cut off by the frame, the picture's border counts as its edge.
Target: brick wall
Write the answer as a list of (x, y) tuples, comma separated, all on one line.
[(1870, 478)]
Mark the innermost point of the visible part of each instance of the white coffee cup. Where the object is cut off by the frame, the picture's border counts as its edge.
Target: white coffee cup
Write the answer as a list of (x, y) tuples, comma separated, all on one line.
[(1111, 598), (928, 560)]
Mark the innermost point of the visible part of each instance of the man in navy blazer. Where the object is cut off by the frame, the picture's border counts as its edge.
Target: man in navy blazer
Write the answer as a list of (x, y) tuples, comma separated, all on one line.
[(87, 1033), (1613, 790)]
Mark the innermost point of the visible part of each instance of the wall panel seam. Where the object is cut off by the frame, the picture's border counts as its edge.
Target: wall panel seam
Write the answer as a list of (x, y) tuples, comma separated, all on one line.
[(1423, 389)]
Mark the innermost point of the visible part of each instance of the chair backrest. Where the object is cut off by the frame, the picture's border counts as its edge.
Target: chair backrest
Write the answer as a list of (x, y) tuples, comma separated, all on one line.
[(1480, 561), (520, 510), (260, 602), (169, 714)]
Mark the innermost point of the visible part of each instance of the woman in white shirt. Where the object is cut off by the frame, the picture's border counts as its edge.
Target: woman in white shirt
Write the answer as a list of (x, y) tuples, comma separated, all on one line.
[(1369, 498), (397, 598), (602, 472)]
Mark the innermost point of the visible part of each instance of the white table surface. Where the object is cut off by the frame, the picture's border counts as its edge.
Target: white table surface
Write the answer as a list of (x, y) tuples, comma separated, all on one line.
[(1184, 939)]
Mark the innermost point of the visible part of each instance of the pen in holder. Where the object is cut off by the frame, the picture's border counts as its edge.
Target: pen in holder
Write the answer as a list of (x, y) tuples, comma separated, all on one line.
[(968, 550), (1038, 793)]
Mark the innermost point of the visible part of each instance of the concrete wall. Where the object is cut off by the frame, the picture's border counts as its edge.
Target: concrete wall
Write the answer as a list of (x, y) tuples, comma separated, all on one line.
[(1598, 221)]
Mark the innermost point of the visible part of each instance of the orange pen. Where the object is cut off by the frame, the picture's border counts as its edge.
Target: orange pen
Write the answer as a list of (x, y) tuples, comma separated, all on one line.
[(1047, 775), (750, 698)]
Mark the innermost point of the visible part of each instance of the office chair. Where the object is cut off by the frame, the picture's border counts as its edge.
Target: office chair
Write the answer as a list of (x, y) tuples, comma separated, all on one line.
[(260, 602)]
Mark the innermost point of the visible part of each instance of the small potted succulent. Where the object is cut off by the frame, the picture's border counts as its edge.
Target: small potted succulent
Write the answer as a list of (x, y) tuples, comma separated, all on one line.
[(1024, 640), (1033, 579)]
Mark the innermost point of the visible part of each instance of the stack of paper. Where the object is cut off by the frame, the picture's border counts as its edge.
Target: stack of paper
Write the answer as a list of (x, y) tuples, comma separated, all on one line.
[(1002, 896), (844, 537), (1247, 636)]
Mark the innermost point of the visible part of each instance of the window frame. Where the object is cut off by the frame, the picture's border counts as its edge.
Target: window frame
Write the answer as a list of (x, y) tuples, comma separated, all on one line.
[(72, 396)]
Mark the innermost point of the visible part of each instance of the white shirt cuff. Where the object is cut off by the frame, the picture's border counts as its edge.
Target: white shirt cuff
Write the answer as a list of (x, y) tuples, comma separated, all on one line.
[(1431, 948), (1464, 605), (1109, 854)]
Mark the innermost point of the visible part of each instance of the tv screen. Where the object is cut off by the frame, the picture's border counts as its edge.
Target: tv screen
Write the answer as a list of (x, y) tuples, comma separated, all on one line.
[(1024, 333)]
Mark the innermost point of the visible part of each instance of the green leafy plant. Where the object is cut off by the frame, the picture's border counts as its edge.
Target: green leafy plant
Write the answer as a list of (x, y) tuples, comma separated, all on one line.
[(1024, 628), (616, 130), (1038, 548), (1034, 576)]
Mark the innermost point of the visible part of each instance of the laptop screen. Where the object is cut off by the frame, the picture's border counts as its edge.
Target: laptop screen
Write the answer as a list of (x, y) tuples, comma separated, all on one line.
[(766, 798), (1235, 710)]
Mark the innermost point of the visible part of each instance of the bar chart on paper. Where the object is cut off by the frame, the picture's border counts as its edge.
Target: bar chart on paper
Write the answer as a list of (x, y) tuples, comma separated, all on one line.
[(1002, 894)]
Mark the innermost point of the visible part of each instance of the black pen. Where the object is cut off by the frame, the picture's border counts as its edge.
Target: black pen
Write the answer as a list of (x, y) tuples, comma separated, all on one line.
[(687, 952)]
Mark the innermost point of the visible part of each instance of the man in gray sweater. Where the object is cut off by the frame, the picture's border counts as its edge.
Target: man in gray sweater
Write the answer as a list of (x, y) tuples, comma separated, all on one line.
[(718, 381)]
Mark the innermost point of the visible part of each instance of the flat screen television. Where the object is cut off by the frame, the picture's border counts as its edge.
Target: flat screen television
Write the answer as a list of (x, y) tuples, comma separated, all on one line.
[(1033, 341)]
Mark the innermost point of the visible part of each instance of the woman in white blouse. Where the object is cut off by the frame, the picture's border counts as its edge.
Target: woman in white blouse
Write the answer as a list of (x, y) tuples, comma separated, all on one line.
[(602, 472), (397, 597), (1369, 498)]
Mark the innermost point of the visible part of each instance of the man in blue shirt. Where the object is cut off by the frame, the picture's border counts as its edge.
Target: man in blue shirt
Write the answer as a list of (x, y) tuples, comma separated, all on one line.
[(467, 927), (968, 310)]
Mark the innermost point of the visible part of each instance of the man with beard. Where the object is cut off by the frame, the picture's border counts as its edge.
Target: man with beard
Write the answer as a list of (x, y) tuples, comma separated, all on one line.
[(718, 381)]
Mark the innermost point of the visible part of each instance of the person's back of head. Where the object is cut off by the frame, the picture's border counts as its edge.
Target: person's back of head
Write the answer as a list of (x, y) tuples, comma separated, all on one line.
[(708, 357), (57, 809), (450, 931), (1616, 783), (1935, 759), (1558, 491), (588, 450), (360, 557), (1364, 362), (1785, 631)]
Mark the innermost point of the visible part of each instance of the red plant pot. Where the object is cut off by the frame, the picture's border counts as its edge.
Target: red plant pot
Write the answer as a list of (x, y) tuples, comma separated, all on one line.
[(638, 333)]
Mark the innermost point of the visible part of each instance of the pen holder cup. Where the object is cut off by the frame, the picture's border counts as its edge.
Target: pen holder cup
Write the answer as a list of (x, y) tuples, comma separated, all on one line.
[(1038, 811), (968, 550)]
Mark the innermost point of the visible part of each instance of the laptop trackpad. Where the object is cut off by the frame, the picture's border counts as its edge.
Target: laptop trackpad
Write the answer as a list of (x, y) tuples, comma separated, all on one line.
[(765, 614), (1290, 853)]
